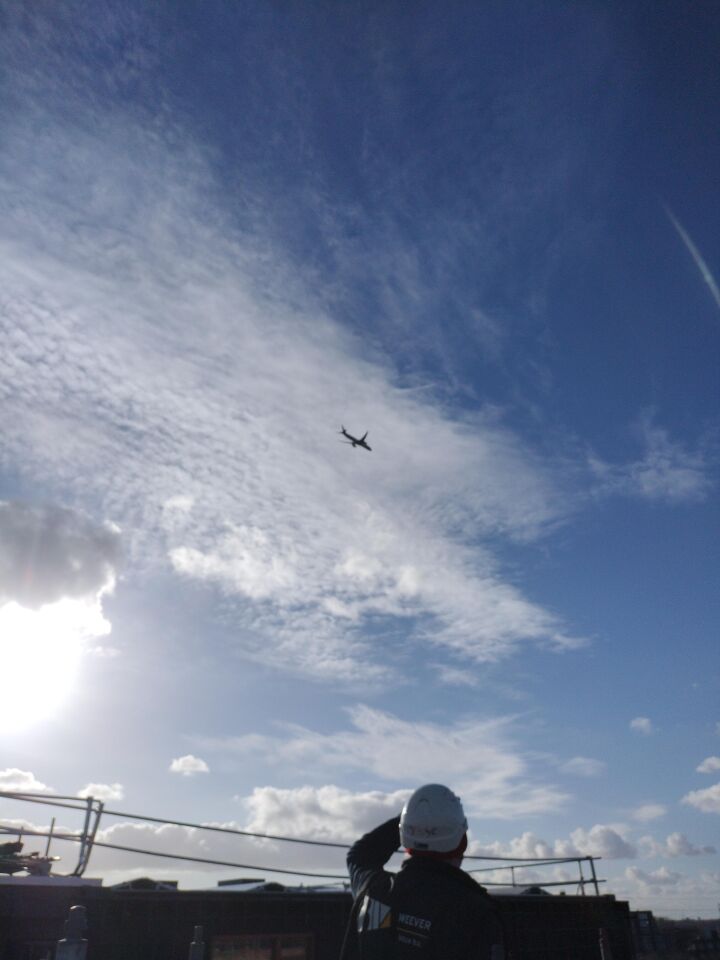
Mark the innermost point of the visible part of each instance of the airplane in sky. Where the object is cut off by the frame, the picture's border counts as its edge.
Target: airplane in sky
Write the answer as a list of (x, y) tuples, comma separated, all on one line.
[(354, 441)]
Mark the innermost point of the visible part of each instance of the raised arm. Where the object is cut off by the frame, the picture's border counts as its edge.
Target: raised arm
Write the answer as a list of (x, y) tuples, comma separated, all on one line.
[(371, 852)]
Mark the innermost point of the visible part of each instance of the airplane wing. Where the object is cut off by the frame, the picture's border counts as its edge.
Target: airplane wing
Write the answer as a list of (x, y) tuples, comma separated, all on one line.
[(364, 435)]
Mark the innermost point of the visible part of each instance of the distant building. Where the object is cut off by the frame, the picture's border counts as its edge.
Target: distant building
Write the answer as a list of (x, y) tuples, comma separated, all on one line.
[(646, 934)]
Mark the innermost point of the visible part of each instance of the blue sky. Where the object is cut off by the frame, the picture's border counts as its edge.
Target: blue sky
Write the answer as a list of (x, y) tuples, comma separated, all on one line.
[(489, 237)]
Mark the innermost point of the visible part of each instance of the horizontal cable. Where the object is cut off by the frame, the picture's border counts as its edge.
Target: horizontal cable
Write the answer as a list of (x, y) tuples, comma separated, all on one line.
[(48, 800), (231, 830), (79, 803), (178, 823), (518, 863), (177, 856), (540, 883), (247, 866)]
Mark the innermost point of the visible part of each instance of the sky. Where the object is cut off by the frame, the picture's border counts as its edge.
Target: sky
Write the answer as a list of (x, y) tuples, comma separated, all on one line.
[(486, 234)]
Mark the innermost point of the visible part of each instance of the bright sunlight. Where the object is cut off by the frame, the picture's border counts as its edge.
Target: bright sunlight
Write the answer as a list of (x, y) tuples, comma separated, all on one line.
[(40, 654)]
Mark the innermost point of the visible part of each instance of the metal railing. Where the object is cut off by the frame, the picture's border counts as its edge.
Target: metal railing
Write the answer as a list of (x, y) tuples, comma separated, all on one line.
[(93, 810)]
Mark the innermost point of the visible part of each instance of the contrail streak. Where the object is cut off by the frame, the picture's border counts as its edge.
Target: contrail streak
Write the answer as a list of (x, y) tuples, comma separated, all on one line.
[(696, 255)]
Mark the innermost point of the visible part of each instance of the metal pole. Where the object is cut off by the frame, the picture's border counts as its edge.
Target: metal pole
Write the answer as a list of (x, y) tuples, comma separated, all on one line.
[(197, 947), (77, 872), (594, 875), (88, 836), (47, 845), (98, 814)]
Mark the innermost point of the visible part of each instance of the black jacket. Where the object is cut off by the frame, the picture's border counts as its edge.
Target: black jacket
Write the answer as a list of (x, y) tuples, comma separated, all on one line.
[(430, 910)]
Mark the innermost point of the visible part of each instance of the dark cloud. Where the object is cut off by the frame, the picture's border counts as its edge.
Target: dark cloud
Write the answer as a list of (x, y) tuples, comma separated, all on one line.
[(49, 552)]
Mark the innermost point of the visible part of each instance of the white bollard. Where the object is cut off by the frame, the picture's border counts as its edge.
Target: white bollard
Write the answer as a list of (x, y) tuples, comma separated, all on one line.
[(73, 946), (197, 947)]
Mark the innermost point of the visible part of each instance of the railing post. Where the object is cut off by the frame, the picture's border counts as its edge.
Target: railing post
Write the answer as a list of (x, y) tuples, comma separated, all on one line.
[(73, 946), (197, 947), (604, 941)]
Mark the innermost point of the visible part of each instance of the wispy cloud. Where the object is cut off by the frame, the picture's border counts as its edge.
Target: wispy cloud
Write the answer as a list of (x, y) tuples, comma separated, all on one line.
[(667, 470), (696, 255), (478, 757), (454, 676), (584, 766), (649, 811), (177, 372)]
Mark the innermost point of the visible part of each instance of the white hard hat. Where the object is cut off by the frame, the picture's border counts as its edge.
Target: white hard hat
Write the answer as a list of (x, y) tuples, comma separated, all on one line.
[(432, 820)]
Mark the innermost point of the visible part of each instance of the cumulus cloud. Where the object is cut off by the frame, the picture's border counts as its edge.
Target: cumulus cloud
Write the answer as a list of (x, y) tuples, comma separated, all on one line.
[(528, 845), (324, 813), (607, 841), (21, 781), (707, 800), (600, 840), (655, 879), (103, 791), (603, 841), (642, 725), (183, 841), (665, 890), (675, 845), (478, 757), (251, 852), (189, 765), (709, 765), (48, 553)]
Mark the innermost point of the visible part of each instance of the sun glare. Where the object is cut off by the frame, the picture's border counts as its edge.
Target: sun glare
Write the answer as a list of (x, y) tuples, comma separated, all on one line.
[(40, 653)]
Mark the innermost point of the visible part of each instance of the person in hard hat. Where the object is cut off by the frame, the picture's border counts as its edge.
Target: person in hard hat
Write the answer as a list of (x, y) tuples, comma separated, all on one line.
[(430, 908)]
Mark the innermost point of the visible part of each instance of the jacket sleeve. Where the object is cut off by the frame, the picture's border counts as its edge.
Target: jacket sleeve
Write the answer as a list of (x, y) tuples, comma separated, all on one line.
[(368, 855)]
